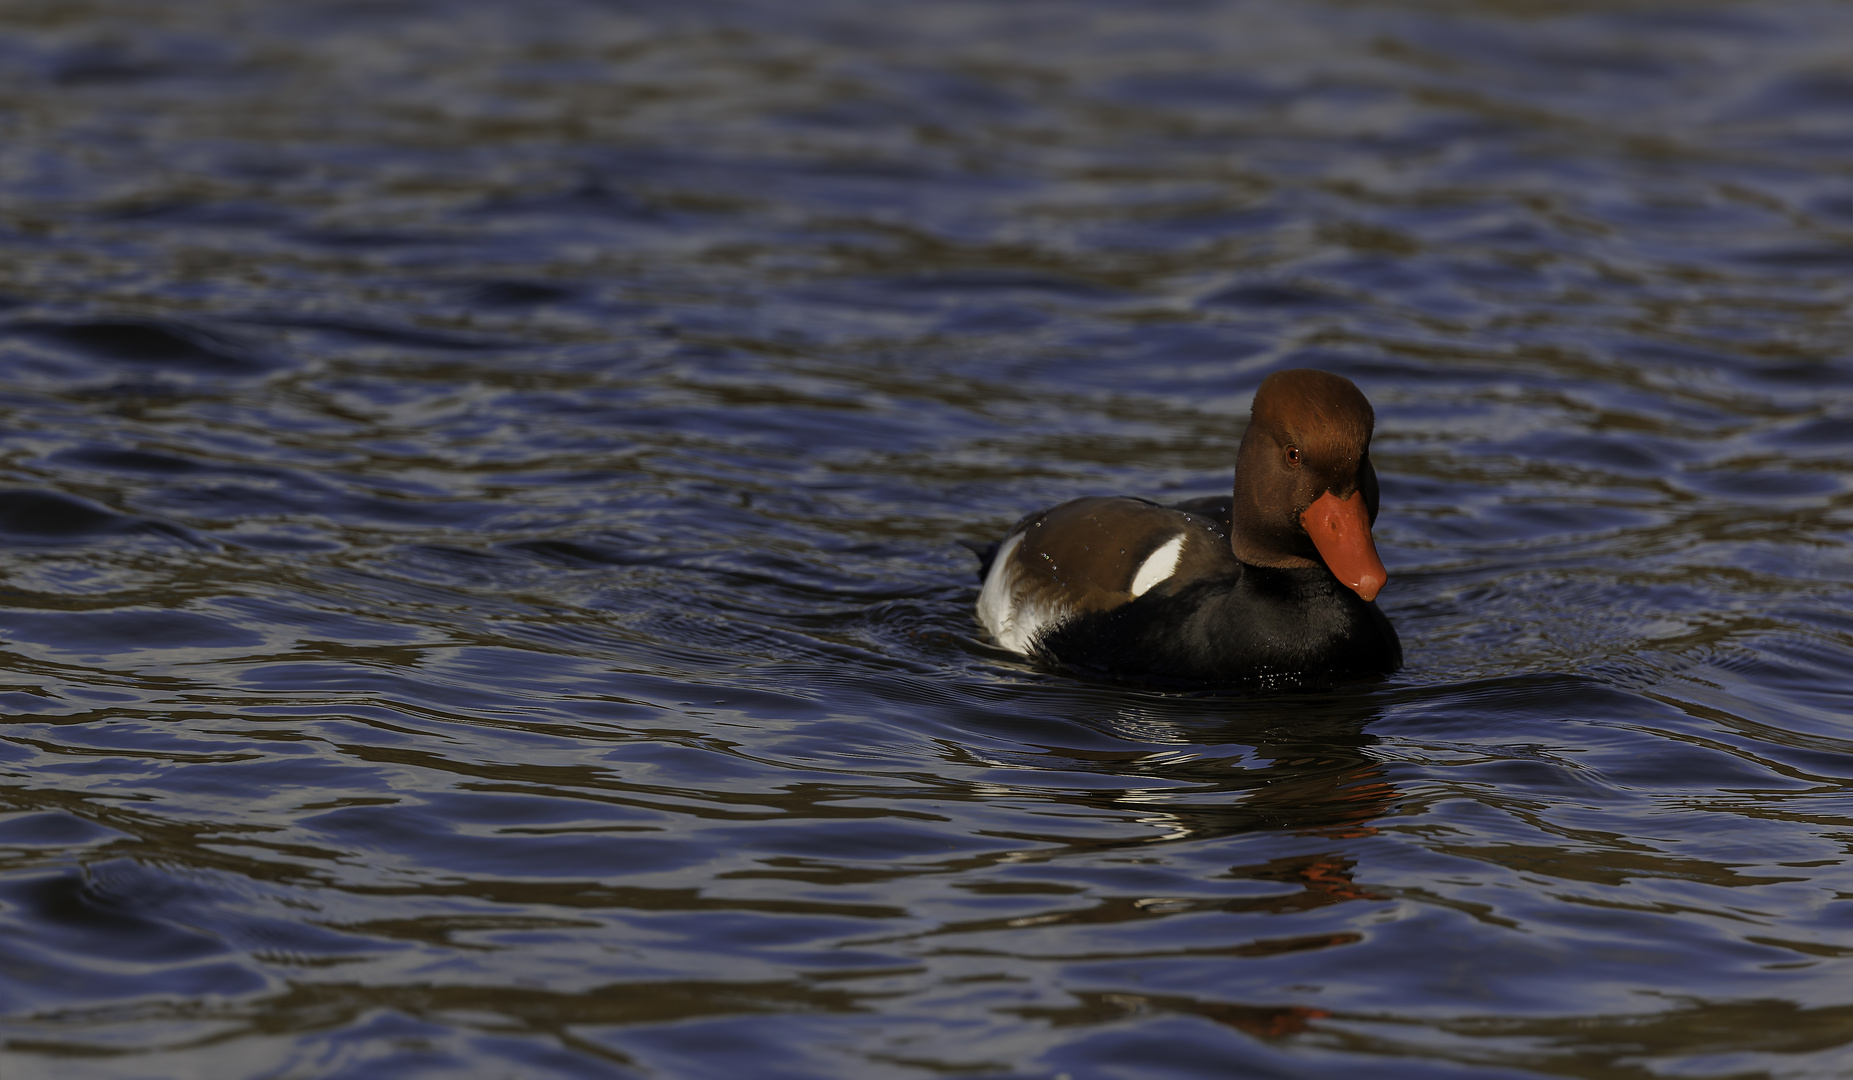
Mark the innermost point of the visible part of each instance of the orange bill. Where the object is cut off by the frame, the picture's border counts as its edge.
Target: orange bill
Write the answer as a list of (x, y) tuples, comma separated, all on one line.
[(1340, 529)]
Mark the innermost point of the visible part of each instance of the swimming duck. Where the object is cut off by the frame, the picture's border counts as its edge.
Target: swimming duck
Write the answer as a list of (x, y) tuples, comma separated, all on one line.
[(1275, 584)]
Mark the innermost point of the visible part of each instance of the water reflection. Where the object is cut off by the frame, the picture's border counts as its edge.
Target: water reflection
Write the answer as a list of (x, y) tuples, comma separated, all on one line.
[(1299, 764), (1194, 772)]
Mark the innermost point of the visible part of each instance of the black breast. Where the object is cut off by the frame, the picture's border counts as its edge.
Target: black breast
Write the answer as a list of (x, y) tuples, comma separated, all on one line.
[(1254, 625)]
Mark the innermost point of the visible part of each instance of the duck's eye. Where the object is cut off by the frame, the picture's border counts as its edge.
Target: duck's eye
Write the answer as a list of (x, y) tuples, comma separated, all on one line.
[(1293, 455)]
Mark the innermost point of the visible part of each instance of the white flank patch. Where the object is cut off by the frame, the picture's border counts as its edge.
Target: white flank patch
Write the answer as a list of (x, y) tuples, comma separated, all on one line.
[(1014, 624), (1158, 566)]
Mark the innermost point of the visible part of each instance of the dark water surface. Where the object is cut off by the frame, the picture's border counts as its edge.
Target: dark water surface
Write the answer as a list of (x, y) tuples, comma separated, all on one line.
[(480, 487)]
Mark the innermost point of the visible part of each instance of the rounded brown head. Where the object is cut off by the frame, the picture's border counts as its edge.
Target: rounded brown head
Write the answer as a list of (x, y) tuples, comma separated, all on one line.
[(1305, 491)]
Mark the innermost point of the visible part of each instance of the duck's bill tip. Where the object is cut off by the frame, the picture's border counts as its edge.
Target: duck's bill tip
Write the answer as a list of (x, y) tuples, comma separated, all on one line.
[(1340, 529)]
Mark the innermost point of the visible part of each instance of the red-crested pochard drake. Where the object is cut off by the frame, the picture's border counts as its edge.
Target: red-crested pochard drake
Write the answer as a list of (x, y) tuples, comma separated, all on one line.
[(1276, 584)]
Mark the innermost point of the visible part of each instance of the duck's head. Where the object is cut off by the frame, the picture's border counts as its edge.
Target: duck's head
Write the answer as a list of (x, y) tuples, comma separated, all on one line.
[(1305, 491)]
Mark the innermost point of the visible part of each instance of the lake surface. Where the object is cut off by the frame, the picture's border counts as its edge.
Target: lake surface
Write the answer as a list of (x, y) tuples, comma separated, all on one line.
[(480, 498)]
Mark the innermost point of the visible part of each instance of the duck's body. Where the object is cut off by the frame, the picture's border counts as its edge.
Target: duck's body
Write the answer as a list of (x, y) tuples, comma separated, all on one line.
[(1200, 593)]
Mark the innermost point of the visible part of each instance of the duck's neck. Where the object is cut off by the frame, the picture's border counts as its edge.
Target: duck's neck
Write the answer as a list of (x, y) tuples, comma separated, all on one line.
[(1260, 553), (1260, 538)]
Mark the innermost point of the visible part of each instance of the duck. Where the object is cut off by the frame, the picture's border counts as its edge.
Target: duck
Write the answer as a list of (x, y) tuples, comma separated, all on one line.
[(1275, 583)]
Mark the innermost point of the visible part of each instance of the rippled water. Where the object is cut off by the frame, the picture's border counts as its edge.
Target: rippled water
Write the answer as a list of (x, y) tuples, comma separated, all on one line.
[(481, 592)]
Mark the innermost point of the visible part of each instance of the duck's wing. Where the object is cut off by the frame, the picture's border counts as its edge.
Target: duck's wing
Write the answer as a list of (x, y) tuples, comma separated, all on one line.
[(1217, 510), (1089, 555)]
